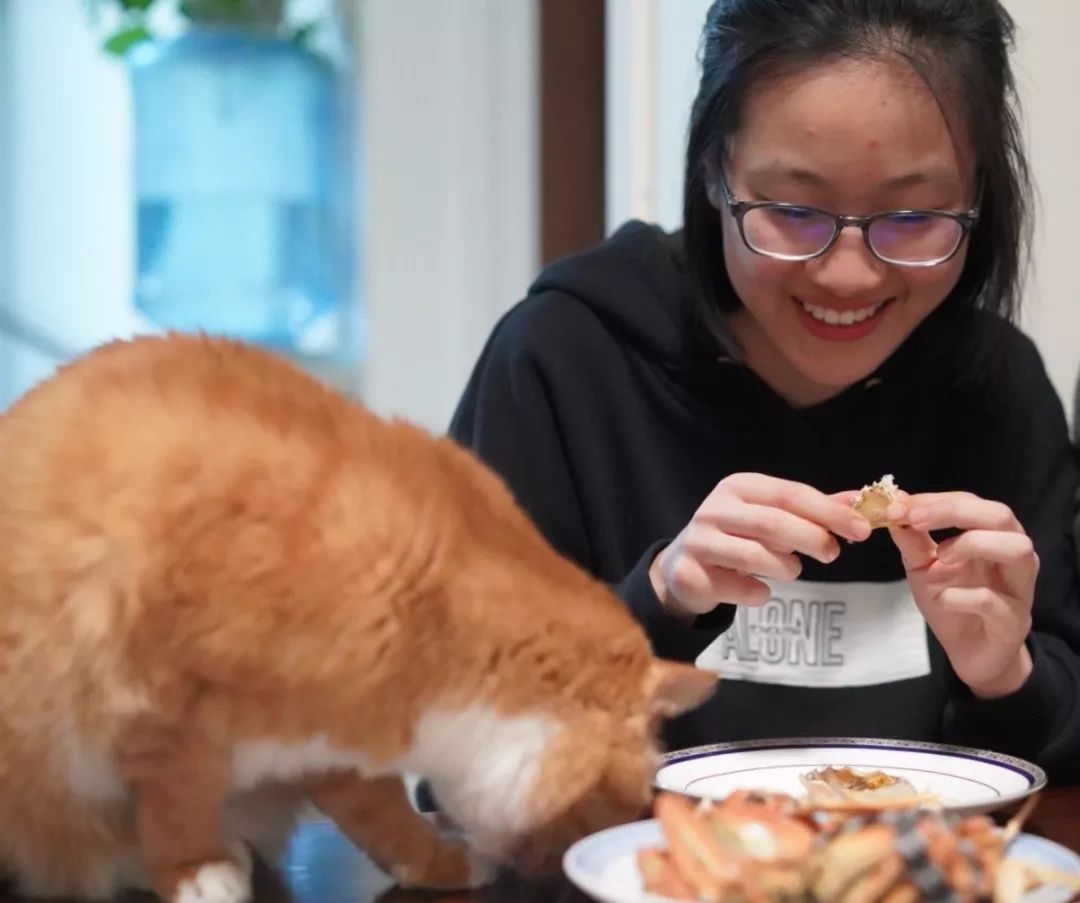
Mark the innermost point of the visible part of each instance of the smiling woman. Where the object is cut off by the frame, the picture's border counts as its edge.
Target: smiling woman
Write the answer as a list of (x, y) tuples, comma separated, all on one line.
[(690, 414), (806, 283)]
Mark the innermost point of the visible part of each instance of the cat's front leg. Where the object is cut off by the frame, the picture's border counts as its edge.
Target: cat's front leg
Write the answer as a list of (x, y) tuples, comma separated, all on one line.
[(180, 783), (375, 814)]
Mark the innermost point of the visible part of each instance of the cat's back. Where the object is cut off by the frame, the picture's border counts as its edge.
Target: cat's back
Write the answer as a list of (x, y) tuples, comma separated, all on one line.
[(136, 427), (128, 399), (147, 383)]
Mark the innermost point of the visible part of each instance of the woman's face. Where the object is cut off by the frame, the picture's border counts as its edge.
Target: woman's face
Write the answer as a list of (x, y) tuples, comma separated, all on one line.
[(855, 138)]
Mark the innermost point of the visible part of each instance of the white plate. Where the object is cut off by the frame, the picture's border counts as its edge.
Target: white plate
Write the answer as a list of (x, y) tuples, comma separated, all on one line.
[(604, 864), (964, 780)]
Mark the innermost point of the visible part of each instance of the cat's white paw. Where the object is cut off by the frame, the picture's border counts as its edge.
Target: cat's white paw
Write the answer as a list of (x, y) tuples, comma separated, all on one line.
[(216, 882), (219, 882)]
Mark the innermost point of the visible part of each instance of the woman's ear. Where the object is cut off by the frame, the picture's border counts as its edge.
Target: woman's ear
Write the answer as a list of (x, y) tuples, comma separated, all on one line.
[(713, 177), (673, 688)]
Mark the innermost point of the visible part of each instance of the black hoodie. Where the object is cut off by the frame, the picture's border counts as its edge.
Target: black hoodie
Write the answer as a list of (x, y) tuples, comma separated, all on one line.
[(595, 401)]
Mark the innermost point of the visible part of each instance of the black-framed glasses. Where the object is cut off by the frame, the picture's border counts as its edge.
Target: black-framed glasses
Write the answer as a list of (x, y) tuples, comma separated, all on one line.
[(907, 238)]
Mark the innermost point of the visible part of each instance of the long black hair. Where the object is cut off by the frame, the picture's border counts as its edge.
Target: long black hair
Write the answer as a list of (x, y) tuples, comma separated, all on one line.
[(960, 48)]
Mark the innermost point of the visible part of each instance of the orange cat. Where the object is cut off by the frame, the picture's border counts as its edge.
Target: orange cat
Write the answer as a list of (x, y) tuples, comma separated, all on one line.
[(225, 590)]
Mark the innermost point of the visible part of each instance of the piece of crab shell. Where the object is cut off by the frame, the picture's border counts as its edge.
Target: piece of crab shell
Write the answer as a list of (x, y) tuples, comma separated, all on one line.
[(847, 858), (660, 876), (874, 499), (877, 881), (1017, 880), (1010, 883), (760, 830)]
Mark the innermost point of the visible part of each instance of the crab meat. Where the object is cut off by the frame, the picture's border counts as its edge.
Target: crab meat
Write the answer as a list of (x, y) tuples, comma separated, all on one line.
[(873, 500)]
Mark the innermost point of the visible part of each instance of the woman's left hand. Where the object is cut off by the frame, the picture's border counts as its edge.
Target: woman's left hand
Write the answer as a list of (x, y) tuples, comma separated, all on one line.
[(975, 589)]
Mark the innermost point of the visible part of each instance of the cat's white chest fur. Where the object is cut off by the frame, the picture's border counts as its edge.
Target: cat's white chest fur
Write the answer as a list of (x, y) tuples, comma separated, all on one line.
[(484, 766)]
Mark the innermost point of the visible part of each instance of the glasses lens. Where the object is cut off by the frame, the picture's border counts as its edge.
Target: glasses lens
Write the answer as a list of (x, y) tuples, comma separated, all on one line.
[(783, 231), (915, 237)]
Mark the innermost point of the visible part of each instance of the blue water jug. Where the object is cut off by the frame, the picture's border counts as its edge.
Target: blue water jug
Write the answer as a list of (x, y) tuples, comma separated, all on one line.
[(241, 184)]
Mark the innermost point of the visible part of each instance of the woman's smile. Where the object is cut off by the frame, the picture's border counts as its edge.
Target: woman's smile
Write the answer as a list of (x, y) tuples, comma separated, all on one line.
[(840, 322)]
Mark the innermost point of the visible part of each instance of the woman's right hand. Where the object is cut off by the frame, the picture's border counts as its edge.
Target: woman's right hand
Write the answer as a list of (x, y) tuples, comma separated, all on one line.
[(750, 526)]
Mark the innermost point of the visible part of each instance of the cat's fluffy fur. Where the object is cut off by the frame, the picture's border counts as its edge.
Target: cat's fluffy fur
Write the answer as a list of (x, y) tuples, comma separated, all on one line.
[(224, 589)]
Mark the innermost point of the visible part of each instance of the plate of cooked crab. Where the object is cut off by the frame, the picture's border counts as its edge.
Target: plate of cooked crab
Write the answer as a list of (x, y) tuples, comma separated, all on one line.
[(769, 847)]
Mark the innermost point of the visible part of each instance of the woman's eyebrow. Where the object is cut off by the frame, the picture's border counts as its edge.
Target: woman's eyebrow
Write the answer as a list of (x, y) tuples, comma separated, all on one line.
[(778, 169), (932, 175)]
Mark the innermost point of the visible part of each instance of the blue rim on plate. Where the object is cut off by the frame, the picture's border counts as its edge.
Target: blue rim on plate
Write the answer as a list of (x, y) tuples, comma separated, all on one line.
[(1032, 774)]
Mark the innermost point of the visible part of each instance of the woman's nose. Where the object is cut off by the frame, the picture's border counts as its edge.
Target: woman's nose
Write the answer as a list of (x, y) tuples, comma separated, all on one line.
[(848, 269)]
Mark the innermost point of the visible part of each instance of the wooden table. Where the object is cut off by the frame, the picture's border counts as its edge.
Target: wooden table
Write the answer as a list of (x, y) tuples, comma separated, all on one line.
[(322, 867)]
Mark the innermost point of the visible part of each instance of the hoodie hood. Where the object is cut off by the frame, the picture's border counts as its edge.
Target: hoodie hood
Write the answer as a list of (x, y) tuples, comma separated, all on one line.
[(636, 282)]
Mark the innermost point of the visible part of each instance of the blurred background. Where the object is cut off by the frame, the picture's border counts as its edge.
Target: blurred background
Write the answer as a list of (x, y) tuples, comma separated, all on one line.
[(366, 185)]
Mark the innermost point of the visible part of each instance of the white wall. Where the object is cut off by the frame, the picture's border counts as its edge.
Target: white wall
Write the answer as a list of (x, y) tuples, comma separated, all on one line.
[(66, 204), (1048, 71), (652, 75), (645, 178), (450, 212)]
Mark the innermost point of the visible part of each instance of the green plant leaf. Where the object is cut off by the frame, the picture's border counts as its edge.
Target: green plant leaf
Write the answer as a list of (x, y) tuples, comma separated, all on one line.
[(235, 11), (121, 42), (142, 5)]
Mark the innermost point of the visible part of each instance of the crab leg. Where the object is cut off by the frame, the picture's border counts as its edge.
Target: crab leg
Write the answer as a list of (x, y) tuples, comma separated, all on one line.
[(708, 868), (661, 877)]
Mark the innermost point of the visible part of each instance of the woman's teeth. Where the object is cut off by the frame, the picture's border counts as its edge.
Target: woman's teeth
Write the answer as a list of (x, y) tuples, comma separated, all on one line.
[(840, 317)]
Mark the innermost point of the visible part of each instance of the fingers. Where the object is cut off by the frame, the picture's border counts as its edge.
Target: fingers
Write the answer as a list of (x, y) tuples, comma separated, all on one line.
[(777, 529), (992, 534), (999, 615), (1012, 549), (717, 548), (1015, 552), (798, 499), (751, 526), (699, 588), (917, 549), (960, 510)]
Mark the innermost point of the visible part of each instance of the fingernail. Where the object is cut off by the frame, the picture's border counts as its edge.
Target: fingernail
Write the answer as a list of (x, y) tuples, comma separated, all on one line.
[(896, 511), (918, 516), (860, 528)]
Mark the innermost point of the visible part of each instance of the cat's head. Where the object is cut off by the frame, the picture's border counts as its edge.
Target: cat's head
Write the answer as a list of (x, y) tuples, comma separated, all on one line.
[(535, 782)]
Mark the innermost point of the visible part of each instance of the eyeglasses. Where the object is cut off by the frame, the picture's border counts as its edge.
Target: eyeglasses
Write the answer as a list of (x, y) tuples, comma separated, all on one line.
[(907, 238)]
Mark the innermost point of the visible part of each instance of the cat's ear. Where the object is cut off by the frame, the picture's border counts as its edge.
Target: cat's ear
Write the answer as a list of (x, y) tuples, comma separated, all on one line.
[(673, 688)]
